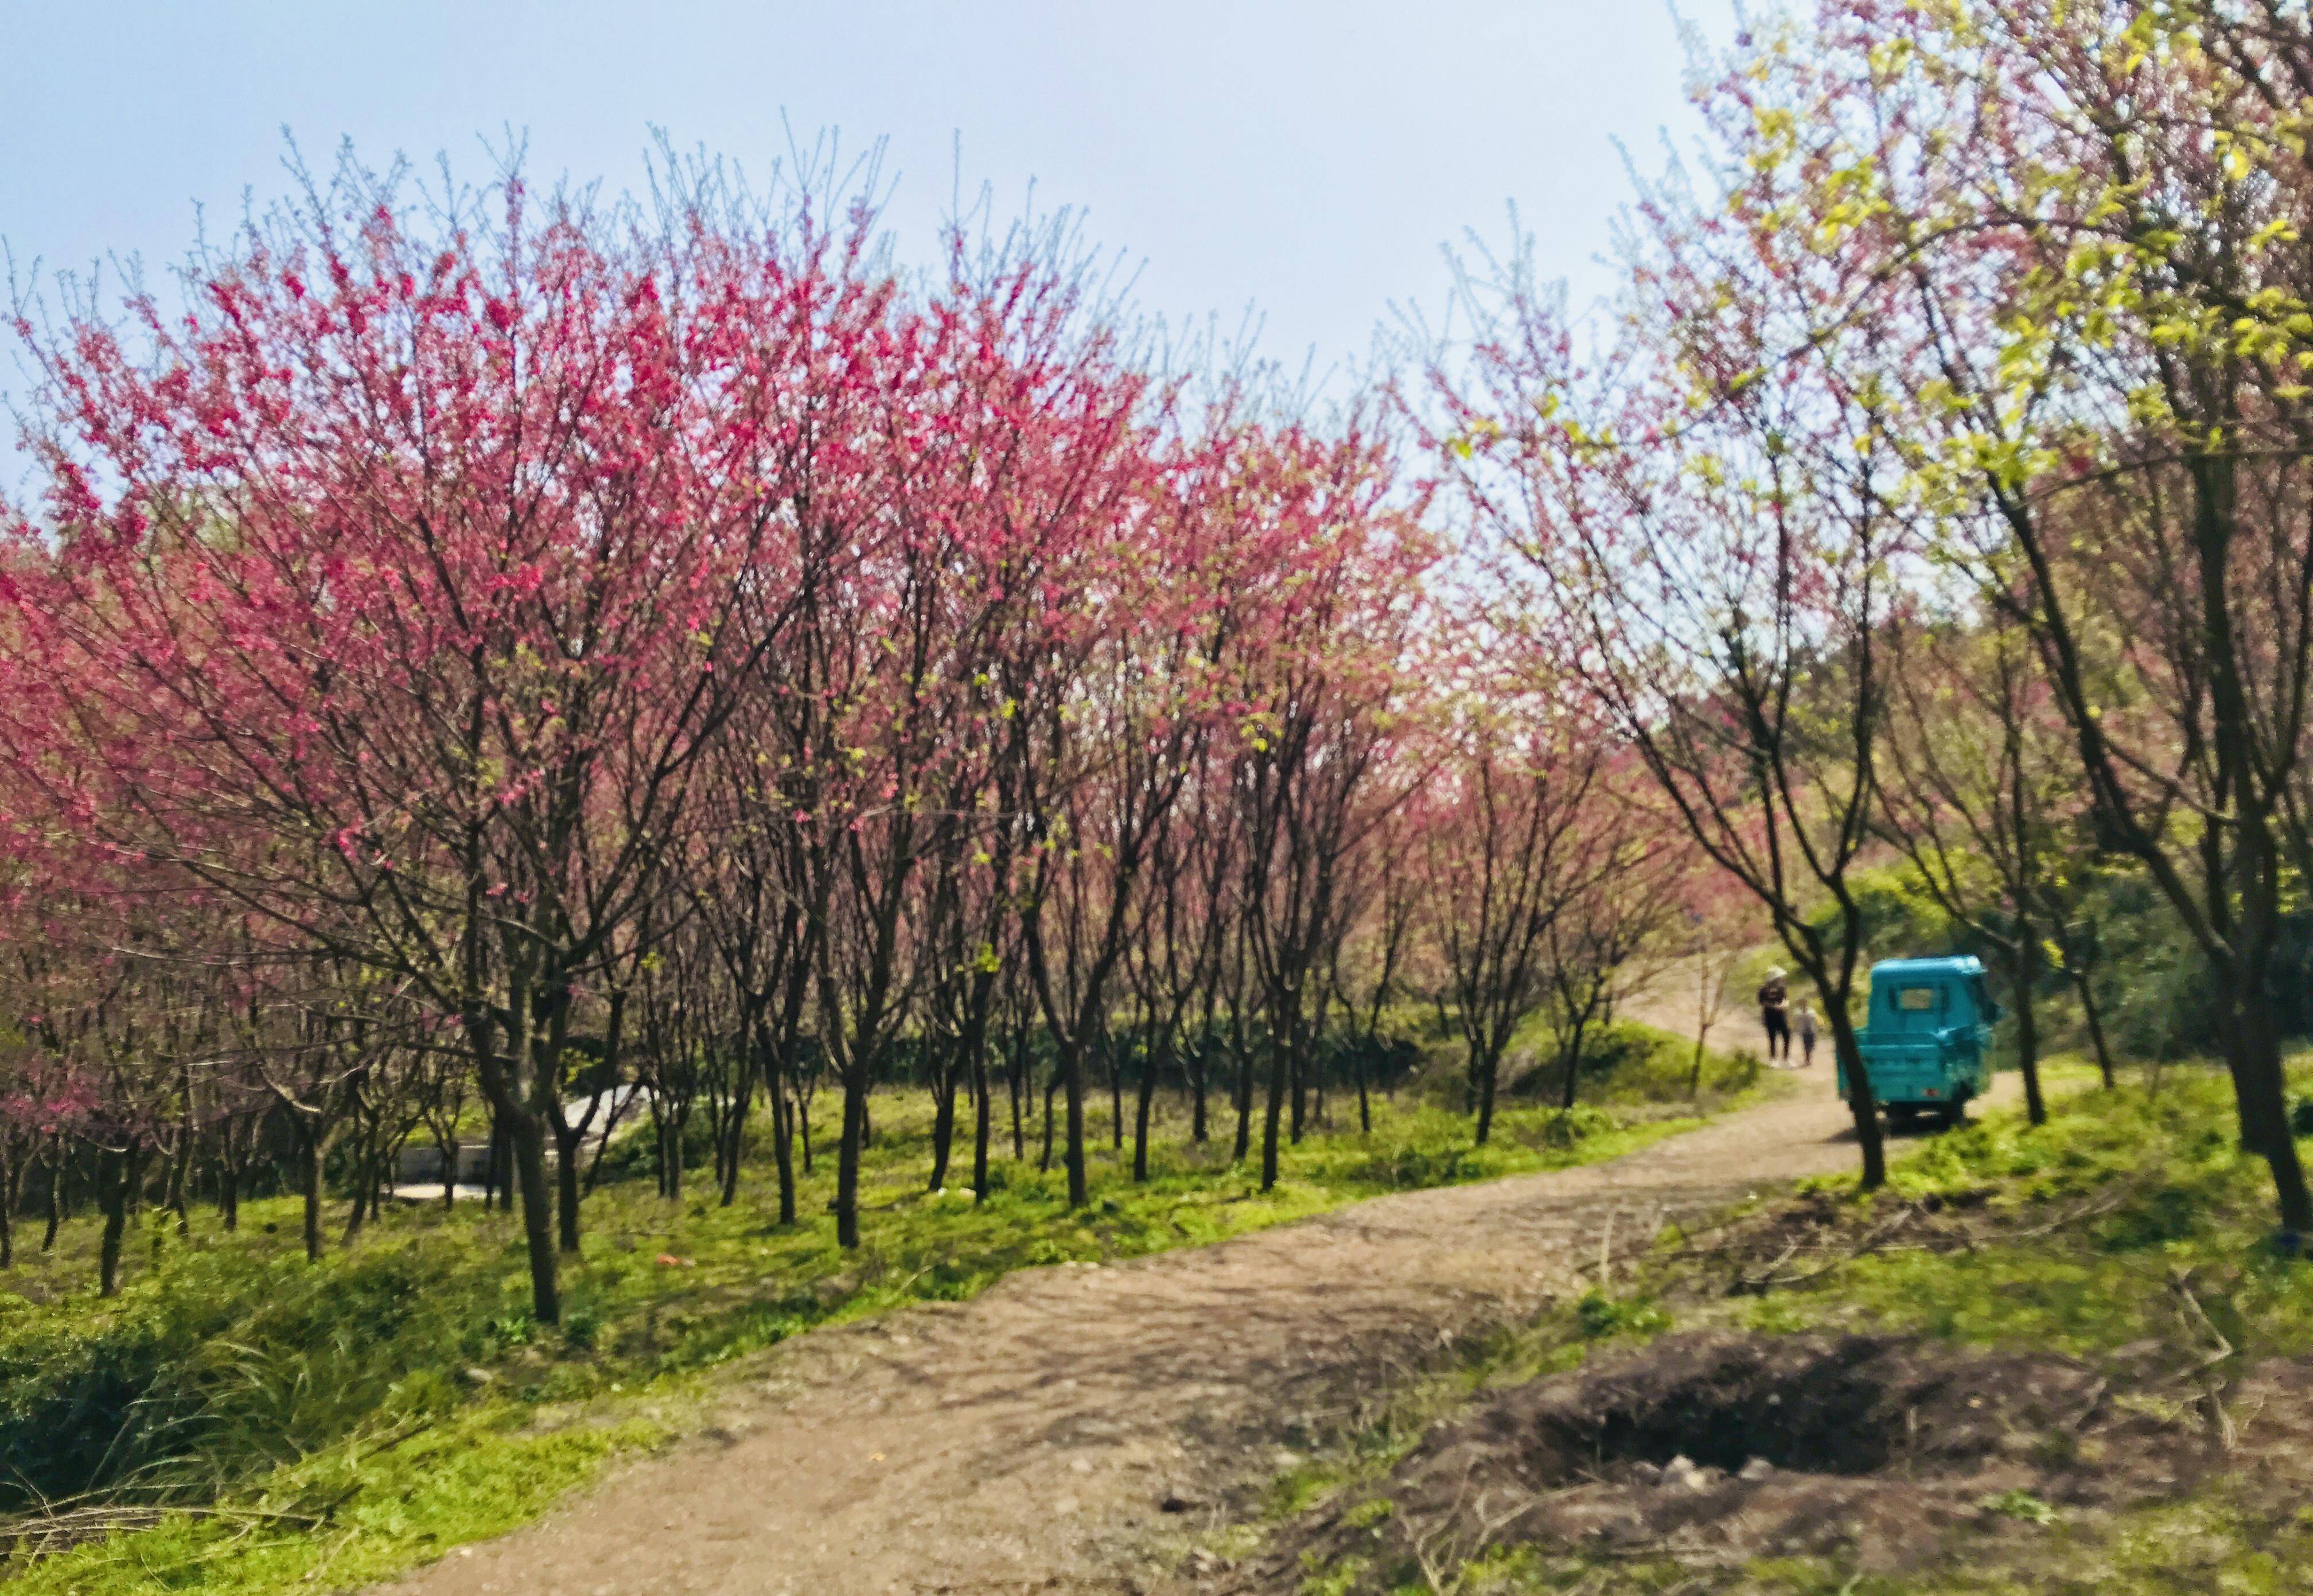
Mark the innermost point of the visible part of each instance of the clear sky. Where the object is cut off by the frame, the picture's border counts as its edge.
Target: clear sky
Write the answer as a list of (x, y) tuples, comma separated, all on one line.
[(1307, 158)]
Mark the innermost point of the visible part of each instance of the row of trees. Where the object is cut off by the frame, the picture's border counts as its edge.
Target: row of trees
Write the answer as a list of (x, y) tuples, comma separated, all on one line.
[(1942, 490), (484, 654)]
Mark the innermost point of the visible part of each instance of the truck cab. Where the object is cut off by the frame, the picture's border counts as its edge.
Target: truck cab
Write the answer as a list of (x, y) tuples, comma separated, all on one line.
[(1927, 1043)]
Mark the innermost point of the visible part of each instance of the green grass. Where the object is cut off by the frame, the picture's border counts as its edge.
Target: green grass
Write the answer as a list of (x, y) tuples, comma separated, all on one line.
[(1625, 1065), (323, 1426), (2182, 1198), (2083, 1226)]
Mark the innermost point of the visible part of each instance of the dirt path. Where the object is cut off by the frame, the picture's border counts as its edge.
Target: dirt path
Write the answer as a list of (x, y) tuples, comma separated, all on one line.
[(1034, 1439)]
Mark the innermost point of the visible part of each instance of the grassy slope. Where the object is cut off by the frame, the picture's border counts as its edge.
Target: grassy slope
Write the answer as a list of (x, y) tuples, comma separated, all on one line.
[(2155, 1190), (341, 1423)]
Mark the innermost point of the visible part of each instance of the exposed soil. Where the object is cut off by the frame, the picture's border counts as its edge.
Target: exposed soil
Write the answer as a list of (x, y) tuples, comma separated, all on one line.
[(1719, 1448), (1058, 1431)]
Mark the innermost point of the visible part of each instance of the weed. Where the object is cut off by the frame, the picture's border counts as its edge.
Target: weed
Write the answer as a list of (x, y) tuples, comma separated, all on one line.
[(1601, 1316), (2022, 1506)]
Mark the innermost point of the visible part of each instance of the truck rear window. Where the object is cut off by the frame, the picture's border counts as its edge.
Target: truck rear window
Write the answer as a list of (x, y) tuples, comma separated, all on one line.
[(1918, 1000)]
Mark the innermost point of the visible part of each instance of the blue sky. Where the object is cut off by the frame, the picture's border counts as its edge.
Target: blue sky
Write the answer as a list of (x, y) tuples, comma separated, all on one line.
[(1307, 158)]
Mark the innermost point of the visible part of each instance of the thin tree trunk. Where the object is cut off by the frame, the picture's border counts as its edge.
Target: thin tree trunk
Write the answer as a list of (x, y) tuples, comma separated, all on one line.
[(116, 1181), (1573, 1065), (1296, 1072), (731, 1147), (528, 1134), (55, 1194), (446, 1146), (847, 1165), (1198, 1130), (10, 1192), (311, 1145), (782, 1137), (943, 1083), (1115, 1089), (1141, 1110), (1051, 1089), (1243, 1145), (1861, 1105), (229, 1184), (1017, 1070), (363, 1148), (1072, 1068), (568, 1141), (982, 1117), (2028, 1024), (1280, 1064), (181, 1178), (2094, 1019)]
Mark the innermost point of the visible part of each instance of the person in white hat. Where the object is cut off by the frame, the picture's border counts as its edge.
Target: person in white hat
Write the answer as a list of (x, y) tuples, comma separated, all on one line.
[(1775, 1015)]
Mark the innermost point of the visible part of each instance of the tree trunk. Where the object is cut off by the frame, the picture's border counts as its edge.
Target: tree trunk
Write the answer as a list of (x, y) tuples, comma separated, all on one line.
[(1018, 1072), (568, 1140), (358, 1210), (731, 1143), (181, 1175), (1243, 1145), (1280, 1063), (311, 1144), (943, 1082), (56, 1194), (982, 1117), (2253, 1050), (116, 1180), (2028, 1023), (847, 1165), (1115, 1089), (229, 1187), (1072, 1067), (528, 1135), (1298, 1072), (520, 1084), (1196, 1056), (1051, 1087), (2093, 1017), (12, 1188), (1141, 1110), (1861, 1103), (495, 1186), (782, 1135)]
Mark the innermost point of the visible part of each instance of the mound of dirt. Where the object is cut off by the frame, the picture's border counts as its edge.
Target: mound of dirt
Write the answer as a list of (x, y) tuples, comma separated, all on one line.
[(1718, 1448)]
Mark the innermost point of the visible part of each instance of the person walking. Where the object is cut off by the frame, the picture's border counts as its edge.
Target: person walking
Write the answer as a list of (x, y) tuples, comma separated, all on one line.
[(1806, 1035), (1775, 1015)]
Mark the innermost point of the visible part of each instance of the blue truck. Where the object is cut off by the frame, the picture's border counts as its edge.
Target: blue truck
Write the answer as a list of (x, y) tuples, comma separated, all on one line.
[(1927, 1043)]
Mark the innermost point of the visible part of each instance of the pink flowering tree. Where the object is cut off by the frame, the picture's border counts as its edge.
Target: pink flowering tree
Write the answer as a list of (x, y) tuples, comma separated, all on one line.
[(392, 593)]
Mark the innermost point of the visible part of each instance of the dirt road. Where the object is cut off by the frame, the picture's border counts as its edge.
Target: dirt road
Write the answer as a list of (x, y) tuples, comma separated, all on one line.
[(1047, 1435)]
